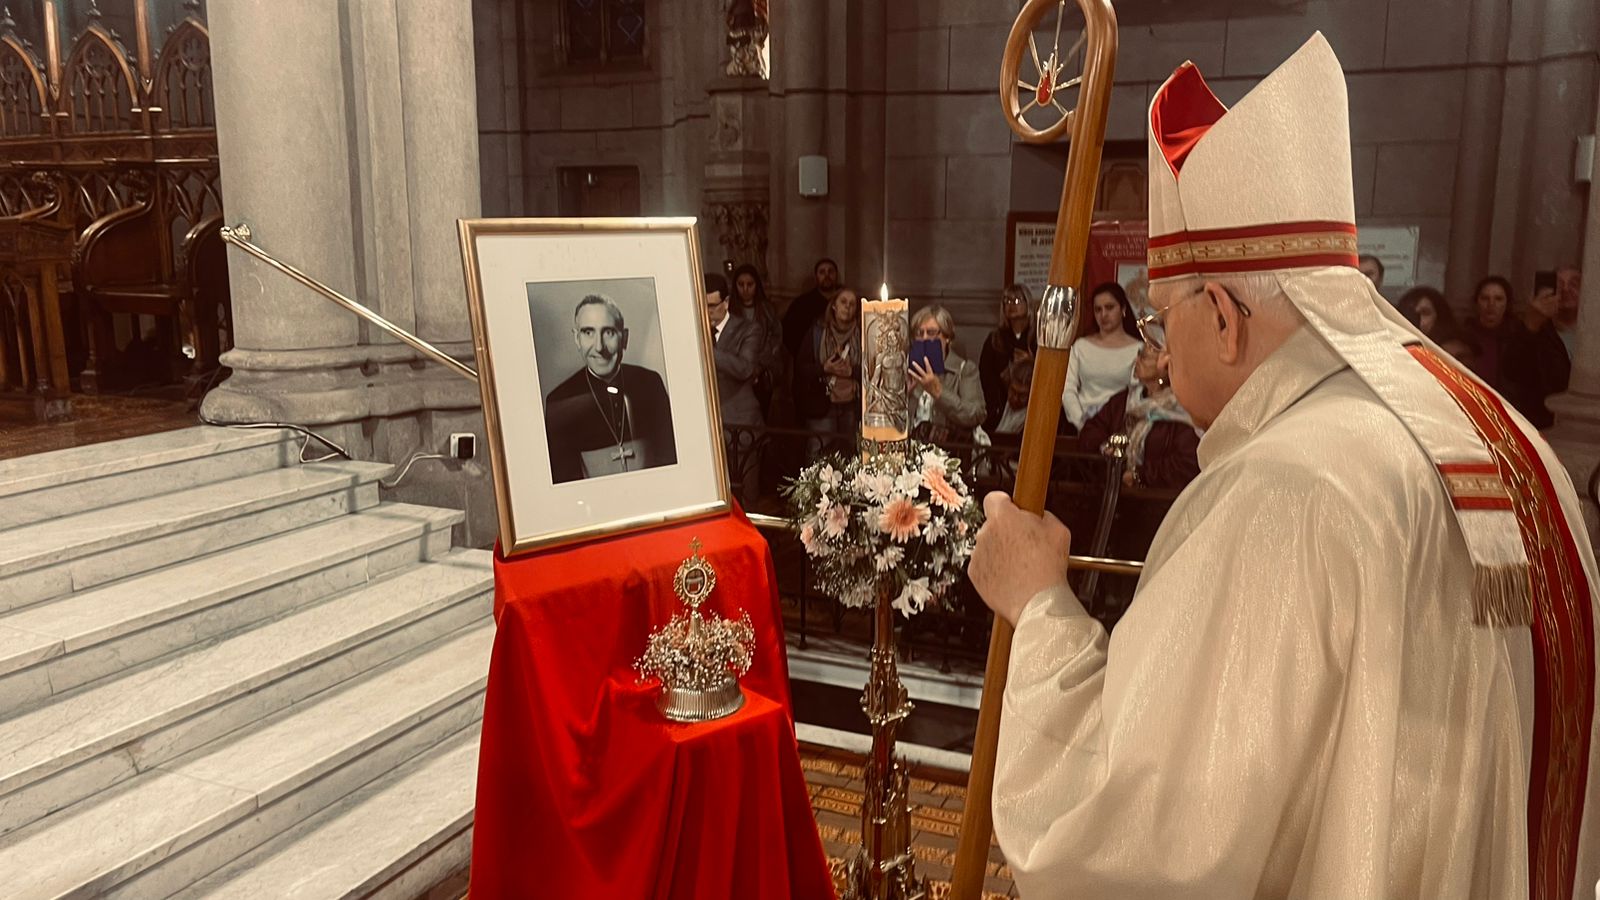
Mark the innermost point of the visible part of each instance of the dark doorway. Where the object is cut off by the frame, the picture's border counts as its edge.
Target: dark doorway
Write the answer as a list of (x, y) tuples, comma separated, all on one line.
[(588, 191)]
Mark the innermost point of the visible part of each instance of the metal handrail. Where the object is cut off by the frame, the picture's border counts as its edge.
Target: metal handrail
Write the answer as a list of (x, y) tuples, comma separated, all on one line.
[(239, 236), (1085, 563)]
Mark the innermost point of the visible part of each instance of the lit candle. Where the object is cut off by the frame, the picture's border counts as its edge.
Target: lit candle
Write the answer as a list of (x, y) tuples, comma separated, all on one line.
[(885, 413)]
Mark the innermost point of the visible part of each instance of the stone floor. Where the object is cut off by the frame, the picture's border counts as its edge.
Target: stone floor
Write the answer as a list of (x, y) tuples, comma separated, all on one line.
[(97, 418), (835, 781)]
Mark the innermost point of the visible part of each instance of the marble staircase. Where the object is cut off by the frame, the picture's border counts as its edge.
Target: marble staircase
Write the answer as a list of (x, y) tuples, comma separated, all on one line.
[(225, 673)]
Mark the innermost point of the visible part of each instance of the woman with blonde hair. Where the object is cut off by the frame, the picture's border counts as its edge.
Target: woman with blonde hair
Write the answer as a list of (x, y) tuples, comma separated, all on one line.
[(947, 406), (1012, 340), (827, 370)]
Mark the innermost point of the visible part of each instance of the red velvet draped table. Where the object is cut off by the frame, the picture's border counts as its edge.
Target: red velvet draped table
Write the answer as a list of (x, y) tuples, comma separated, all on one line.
[(584, 790)]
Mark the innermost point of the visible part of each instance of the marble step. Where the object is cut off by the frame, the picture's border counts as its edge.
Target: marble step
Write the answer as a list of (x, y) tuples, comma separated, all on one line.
[(63, 482), (56, 557), (86, 741), (169, 827), (395, 837), (48, 649)]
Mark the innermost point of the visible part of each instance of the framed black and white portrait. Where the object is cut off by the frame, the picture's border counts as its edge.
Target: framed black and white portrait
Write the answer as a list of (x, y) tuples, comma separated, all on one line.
[(595, 365)]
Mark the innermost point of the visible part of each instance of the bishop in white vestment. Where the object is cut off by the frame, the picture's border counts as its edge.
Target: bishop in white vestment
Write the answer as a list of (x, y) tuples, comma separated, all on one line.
[(1360, 661)]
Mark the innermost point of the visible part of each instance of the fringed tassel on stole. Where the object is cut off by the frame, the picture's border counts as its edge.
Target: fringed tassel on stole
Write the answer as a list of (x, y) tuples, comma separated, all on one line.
[(1501, 596), (1502, 583)]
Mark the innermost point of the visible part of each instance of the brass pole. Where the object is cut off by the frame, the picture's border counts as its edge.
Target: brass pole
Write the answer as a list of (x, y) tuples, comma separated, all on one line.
[(239, 236)]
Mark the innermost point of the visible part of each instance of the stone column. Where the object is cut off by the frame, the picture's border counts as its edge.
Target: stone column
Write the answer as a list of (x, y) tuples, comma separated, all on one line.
[(441, 158), (1576, 435), (867, 145), (736, 205), (1477, 166), (801, 60), (284, 146), (347, 135)]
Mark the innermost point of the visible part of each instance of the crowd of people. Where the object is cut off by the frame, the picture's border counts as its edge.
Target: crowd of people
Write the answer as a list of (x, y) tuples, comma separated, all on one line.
[(1522, 349), (802, 369)]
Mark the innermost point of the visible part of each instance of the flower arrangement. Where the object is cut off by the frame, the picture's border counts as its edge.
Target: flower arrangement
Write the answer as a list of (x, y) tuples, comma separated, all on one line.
[(905, 522), (696, 653)]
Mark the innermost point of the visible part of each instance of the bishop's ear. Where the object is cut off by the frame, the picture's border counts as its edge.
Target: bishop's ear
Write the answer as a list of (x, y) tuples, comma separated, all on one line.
[(623, 345), (1227, 322)]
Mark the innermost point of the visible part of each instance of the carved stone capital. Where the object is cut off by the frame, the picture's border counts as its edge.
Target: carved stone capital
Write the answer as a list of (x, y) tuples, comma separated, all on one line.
[(741, 227)]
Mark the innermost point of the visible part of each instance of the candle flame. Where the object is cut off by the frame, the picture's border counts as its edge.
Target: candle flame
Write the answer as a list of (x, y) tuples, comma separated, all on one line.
[(883, 292)]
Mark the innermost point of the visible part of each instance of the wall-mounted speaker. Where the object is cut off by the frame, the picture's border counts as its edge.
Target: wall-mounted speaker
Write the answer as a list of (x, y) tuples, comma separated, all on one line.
[(813, 176)]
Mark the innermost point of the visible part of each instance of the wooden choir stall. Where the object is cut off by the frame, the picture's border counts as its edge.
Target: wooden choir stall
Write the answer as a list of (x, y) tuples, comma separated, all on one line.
[(112, 270)]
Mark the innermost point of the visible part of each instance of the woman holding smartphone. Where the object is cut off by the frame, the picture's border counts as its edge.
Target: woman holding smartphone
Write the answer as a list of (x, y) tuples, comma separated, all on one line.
[(946, 391), (1536, 362), (827, 370)]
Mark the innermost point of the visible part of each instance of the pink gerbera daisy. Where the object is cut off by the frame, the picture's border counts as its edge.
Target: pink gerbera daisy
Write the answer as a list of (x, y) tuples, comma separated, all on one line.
[(943, 494), (901, 519)]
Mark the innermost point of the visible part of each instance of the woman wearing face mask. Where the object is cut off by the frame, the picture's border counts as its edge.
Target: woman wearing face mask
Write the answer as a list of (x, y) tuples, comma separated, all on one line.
[(1101, 361), (751, 301), (1011, 342), (1163, 445)]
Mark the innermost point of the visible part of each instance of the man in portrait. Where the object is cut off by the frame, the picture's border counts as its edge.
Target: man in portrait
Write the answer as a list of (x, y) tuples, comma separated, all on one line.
[(609, 417)]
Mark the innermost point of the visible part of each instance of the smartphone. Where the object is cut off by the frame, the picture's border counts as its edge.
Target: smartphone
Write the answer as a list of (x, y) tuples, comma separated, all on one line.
[(1544, 281), (929, 352)]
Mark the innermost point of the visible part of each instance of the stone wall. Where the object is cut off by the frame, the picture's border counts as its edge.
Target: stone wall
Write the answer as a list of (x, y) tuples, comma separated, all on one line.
[(1464, 116), (534, 117)]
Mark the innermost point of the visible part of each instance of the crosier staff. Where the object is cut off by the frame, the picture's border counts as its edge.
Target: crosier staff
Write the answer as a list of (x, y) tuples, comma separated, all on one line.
[(1085, 126)]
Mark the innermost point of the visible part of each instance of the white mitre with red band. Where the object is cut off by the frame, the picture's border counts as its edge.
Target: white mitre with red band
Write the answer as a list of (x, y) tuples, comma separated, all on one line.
[(1265, 187)]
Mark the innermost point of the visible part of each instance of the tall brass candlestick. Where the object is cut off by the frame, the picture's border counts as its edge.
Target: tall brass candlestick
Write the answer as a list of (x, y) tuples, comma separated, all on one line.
[(884, 868)]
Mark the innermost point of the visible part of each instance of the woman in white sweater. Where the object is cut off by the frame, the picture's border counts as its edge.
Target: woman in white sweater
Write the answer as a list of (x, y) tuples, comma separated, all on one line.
[(1101, 362)]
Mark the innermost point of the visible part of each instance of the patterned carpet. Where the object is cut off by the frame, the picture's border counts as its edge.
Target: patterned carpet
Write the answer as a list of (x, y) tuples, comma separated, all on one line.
[(937, 796)]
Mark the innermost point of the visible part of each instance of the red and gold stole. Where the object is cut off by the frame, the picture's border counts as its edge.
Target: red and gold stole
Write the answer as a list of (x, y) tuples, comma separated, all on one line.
[(1562, 623)]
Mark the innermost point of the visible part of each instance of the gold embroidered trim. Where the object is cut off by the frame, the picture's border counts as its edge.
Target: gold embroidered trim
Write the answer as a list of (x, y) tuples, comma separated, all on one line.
[(1259, 248), (1476, 486)]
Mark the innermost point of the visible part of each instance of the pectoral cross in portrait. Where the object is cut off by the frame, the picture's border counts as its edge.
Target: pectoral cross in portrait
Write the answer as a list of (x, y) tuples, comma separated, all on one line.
[(622, 454)]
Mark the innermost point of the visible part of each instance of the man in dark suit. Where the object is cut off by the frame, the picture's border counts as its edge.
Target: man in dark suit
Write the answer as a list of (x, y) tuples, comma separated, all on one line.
[(737, 341), (609, 417), (805, 309)]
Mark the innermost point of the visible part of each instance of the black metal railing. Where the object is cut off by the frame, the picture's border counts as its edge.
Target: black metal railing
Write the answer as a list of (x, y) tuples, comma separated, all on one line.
[(1086, 492)]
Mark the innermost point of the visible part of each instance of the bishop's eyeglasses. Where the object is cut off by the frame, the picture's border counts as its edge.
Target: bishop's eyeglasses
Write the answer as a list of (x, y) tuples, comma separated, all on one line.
[(1153, 326)]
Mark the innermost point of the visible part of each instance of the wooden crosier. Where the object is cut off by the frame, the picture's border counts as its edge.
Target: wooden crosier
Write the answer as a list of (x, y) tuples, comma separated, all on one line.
[(1085, 125)]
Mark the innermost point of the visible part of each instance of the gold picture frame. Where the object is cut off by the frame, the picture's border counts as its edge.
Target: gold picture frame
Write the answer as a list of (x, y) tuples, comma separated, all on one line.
[(522, 278)]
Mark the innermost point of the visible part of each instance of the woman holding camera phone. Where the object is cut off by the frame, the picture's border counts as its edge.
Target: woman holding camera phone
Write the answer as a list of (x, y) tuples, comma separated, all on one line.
[(946, 391), (1536, 363)]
